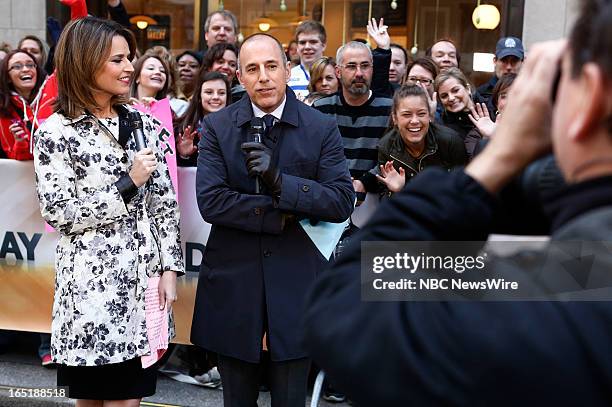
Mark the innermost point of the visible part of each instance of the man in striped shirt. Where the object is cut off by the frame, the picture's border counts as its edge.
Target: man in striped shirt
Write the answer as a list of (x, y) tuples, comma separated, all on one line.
[(362, 115)]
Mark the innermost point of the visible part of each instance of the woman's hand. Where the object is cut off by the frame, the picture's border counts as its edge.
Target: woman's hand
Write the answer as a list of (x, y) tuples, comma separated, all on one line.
[(394, 180), (479, 116), (432, 101), (379, 33), (167, 289), (147, 101), (142, 168), (184, 145), (18, 132)]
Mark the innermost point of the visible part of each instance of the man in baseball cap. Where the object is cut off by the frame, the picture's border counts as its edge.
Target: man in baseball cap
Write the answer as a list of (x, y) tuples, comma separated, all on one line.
[(509, 56)]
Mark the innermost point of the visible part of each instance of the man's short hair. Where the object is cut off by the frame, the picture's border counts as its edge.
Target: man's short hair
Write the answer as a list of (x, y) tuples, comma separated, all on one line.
[(351, 45), (311, 26), (227, 15), (250, 38), (458, 54), (591, 38)]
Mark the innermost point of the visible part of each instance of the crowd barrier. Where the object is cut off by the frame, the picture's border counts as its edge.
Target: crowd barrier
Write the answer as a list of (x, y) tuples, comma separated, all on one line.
[(27, 251)]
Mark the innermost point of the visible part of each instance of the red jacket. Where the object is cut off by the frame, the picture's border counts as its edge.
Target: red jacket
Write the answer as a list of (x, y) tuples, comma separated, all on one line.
[(30, 116)]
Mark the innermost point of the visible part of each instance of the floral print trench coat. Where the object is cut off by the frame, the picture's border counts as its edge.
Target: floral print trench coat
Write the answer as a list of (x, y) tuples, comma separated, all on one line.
[(107, 248)]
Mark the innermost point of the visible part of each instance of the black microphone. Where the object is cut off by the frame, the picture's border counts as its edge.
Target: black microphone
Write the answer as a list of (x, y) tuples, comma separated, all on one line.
[(135, 123), (255, 136)]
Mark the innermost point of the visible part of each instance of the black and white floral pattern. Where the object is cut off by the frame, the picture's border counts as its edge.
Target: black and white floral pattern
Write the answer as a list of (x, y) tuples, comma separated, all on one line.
[(107, 248)]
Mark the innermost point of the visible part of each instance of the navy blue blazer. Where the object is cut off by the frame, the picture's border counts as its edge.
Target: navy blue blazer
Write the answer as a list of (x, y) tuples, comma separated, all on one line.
[(258, 262)]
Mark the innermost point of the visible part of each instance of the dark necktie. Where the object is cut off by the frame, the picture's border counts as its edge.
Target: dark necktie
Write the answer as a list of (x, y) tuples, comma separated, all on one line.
[(269, 122)]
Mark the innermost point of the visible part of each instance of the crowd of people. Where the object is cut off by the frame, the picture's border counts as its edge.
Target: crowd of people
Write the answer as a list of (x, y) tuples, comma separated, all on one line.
[(368, 119)]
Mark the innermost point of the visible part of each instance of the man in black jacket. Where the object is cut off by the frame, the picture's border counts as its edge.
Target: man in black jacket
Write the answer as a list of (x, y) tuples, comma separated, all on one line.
[(491, 353)]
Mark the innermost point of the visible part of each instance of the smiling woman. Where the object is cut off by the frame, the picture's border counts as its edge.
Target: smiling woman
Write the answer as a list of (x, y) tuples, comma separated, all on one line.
[(415, 143), (20, 80), (150, 78), (118, 225)]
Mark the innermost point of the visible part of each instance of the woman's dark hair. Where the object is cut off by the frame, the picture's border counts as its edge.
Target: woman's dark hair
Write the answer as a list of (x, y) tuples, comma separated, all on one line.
[(163, 92), (81, 52), (195, 111), (6, 86), (426, 63), (409, 90), (216, 52), (501, 86), (194, 54)]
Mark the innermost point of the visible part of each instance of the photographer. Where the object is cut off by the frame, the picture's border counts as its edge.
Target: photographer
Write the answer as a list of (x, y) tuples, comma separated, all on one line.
[(490, 353)]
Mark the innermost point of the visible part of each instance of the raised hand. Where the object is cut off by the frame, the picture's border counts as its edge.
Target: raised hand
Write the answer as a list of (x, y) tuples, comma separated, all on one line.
[(432, 101), (479, 116), (378, 33), (393, 180), (184, 145)]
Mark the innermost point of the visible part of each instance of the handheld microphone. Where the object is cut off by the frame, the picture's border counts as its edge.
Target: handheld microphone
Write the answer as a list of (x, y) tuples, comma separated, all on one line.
[(255, 135), (135, 123)]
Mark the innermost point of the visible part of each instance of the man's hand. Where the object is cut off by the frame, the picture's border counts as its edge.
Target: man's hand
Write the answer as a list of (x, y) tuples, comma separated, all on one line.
[(379, 33), (259, 164), (524, 134)]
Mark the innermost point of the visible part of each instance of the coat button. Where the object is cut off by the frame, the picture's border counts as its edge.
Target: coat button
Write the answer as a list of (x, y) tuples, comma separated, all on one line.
[(267, 253), (257, 211), (305, 188)]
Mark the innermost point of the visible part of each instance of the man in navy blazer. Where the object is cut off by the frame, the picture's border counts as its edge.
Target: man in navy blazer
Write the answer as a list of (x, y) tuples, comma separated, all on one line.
[(259, 262)]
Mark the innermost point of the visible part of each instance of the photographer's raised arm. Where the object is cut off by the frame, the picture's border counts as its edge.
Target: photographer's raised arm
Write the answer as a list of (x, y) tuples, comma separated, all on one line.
[(524, 134)]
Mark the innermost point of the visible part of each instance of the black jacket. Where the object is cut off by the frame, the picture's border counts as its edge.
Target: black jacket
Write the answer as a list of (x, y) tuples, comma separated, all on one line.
[(460, 122), (463, 353), (443, 148)]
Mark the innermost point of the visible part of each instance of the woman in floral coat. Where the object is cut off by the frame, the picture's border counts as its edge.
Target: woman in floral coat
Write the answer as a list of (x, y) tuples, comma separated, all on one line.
[(117, 216)]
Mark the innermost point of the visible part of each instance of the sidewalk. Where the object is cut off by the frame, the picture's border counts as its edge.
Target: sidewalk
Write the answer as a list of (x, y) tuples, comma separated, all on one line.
[(20, 367)]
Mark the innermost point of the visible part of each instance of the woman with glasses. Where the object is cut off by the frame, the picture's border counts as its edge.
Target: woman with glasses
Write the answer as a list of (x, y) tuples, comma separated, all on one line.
[(422, 72), (21, 78), (415, 143), (459, 100)]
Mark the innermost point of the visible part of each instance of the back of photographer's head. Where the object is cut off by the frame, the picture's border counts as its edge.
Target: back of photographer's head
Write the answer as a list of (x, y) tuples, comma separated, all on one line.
[(582, 115)]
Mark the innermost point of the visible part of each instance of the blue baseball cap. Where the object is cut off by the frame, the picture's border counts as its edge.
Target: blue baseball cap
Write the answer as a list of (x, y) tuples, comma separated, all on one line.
[(509, 46)]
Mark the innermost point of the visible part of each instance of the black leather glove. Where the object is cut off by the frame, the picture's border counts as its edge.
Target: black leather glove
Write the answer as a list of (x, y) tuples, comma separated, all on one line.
[(259, 164)]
